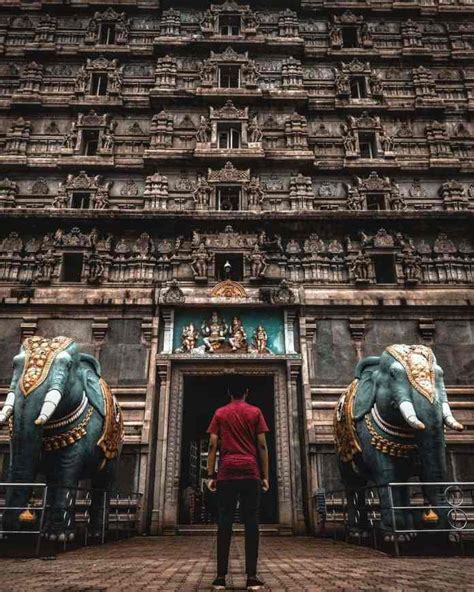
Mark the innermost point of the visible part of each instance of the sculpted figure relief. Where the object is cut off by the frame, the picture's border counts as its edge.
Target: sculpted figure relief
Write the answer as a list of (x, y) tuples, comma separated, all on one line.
[(258, 262), (238, 339), (203, 133), (260, 340), (189, 338), (200, 260), (214, 332)]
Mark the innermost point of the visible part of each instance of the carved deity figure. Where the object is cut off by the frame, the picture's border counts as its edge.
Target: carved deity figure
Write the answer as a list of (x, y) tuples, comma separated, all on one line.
[(386, 142), (208, 22), (114, 81), (349, 140), (81, 81), (45, 263), (199, 262), (360, 266), (250, 73), (208, 73), (258, 262), (189, 337), (70, 139), (255, 133), (107, 142), (214, 332), (255, 192), (203, 133), (411, 264), (96, 268), (335, 36), (238, 340), (260, 340), (343, 84), (202, 193), (355, 200)]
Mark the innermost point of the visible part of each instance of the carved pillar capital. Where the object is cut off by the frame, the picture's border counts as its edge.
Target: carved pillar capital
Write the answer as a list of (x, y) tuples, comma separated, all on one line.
[(357, 329), (100, 327), (426, 329), (147, 330)]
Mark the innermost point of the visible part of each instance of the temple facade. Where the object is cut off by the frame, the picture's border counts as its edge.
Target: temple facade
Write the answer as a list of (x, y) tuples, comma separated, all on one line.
[(195, 191)]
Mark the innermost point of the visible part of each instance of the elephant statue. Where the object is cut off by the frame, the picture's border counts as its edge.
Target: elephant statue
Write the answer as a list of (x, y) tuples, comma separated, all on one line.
[(389, 427), (64, 424)]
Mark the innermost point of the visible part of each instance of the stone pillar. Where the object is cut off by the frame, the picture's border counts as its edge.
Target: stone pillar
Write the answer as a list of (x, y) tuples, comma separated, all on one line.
[(150, 337), (161, 443)]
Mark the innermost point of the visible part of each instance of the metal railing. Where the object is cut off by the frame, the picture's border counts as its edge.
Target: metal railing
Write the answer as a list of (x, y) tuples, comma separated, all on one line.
[(397, 512), (118, 513)]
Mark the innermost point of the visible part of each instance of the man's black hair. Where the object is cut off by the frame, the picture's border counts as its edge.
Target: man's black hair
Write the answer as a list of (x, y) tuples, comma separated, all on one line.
[(238, 387)]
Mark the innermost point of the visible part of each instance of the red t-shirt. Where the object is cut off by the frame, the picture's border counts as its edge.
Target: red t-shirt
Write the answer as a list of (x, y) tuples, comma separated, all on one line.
[(237, 425)]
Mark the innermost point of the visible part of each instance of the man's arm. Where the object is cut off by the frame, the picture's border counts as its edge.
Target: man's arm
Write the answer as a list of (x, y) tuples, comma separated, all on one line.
[(263, 454), (211, 461)]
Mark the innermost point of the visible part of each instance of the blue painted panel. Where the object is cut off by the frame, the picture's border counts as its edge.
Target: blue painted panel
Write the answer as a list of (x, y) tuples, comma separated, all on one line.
[(271, 319)]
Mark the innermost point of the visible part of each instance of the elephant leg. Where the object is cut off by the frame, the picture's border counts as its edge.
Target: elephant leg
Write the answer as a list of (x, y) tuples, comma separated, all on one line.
[(103, 482), (63, 478)]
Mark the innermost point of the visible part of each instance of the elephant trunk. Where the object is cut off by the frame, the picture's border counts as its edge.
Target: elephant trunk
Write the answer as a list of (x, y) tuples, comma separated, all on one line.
[(431, 448), (25, 449)]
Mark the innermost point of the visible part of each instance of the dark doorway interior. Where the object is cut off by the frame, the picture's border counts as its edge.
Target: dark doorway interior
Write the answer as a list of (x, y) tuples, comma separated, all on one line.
[(202, 396)]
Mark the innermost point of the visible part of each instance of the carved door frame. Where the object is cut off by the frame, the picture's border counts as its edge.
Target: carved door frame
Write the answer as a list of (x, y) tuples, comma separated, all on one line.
[(168, 457)]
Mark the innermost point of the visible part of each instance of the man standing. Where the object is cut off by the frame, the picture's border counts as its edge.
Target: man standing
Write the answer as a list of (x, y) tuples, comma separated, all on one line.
[(243, 474)]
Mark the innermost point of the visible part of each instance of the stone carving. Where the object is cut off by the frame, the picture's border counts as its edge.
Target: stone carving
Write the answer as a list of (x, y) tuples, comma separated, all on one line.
[(161, 130), (199, 262), (454, 195), (203, 134), (95, 267), (166, 73), (291, 74), (255, 194), (361, 268), (258, 263), (129, 189), (386, 191), (40, 187), (202, 193), (174, 294), (283, 294), (214, 332), (109, 16), (255, 134), (170, 24), (301, 192), (94, 187), (228, 174), (8, 193), (156, 194)]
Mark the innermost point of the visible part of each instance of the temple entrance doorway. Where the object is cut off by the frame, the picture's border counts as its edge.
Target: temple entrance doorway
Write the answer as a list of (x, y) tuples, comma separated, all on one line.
[(202, 395)]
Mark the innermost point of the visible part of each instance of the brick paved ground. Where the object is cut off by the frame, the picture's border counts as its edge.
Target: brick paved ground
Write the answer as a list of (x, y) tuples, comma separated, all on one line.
[(186, 564)]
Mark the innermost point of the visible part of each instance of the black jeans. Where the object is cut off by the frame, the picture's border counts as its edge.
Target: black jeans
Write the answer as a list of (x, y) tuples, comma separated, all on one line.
[(249, 492)]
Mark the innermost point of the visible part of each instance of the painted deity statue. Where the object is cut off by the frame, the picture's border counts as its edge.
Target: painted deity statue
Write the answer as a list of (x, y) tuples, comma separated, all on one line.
[(260, 339), (214, 332), (189, 337), (238, 341)]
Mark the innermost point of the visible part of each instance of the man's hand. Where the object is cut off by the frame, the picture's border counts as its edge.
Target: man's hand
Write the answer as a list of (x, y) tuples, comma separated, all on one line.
[(212, 484), (265, 485)]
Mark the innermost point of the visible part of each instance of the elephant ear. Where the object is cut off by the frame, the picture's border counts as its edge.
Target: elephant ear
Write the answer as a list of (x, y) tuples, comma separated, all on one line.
[(365, 397), (90, 369)]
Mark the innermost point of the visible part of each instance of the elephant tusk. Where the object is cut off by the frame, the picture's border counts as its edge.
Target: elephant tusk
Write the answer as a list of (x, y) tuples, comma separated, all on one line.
[(7, 409), (409, 415), (50, 403), (449, 419)]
